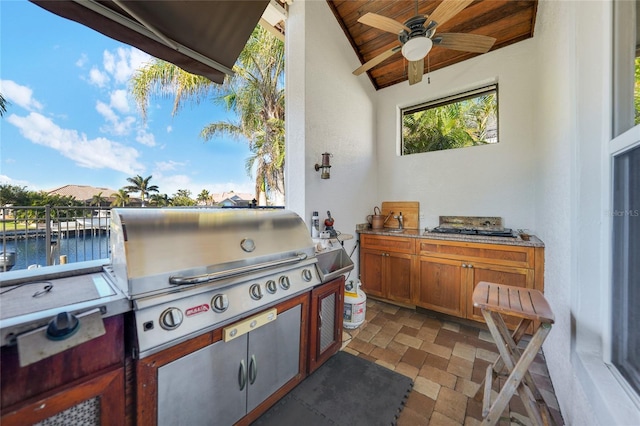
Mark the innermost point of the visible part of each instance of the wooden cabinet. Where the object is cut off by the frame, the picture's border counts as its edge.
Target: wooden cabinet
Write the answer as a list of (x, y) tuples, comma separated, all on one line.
[(441, 275), (441, 286), (450, 270), (84, 384), (237, 380), (325, 333), (96, 400), (387, 267)]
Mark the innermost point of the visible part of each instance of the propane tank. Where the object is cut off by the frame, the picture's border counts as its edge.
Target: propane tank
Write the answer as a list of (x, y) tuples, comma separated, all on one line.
[(355, 305)]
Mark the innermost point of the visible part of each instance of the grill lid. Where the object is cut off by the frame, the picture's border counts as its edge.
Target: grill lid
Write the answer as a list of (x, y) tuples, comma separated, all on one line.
[(155, 250)]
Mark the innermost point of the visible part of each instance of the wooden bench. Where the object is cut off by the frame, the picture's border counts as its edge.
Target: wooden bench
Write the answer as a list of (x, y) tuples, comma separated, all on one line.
[(496, 300)]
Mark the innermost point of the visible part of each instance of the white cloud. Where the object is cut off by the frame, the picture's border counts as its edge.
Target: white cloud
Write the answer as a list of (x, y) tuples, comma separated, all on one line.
[(82, 60), (119, 101), (98, 153), (146, 138), (115, 125), (98, 78), (6, 180), (165, 166), (122, 63), (19, 95), (170, 184), (106, 111), (169, 129)]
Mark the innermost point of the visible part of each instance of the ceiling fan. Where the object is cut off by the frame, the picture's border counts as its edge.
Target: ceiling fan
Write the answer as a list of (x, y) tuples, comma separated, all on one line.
[(417, 36)]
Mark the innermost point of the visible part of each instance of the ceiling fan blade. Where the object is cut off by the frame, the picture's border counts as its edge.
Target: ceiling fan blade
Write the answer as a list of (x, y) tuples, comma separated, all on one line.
[(448, 9), (375, 61), (416, 70), (383, 23), (464, 42)]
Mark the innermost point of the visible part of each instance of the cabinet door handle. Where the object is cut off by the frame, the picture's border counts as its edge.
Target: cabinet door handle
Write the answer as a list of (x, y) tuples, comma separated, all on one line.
[(469, 266), (464, 265), (253, 369), (242, 375)]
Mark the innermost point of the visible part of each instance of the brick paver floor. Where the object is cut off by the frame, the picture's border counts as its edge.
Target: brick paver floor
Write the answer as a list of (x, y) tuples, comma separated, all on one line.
[(445, 358)]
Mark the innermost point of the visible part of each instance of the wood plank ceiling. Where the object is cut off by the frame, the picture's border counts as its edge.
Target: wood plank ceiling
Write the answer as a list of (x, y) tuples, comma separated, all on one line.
[(509, 21)]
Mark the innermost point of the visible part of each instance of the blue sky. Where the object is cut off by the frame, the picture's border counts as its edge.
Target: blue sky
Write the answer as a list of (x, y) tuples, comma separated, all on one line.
[(71, 120)]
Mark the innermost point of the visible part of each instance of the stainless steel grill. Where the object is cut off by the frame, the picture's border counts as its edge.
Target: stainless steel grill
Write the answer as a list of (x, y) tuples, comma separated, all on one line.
[(191, 270)]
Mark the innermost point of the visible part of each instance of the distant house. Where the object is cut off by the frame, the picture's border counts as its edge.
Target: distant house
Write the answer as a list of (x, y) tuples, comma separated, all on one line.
[(232, 199), (85, 193)]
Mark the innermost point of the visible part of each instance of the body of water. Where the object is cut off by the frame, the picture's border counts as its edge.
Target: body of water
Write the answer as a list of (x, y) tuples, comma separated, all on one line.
[(80, 248)]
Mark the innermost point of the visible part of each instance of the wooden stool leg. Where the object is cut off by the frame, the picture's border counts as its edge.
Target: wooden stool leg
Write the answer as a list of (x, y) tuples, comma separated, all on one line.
[(517, 367), (515, 351), (540, 407), (498, 364)]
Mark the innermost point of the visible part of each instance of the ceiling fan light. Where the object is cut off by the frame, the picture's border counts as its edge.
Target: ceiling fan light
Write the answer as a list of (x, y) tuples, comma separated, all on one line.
[(416, 48)]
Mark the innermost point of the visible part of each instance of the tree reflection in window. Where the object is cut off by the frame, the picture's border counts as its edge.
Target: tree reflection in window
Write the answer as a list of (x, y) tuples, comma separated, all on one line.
[(468, 119)]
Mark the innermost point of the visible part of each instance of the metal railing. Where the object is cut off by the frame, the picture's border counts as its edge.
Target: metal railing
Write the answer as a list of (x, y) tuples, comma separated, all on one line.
[(32, 237)]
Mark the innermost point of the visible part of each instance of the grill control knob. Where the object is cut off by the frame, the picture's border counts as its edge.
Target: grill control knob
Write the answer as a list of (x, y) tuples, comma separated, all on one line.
[(272, 287), (307, 275), (284, 282), (255, 291), (171, 318), (220, 303)]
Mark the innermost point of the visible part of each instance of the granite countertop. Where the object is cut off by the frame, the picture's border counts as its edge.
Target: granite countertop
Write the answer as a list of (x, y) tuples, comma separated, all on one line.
[(417, 233)]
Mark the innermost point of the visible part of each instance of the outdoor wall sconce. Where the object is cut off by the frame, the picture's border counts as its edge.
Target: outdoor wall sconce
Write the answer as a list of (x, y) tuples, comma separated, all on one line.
[(325, 166)]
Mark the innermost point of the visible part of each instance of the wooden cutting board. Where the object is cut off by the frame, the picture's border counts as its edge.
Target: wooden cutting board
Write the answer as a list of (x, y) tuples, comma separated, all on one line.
[(410, 211)]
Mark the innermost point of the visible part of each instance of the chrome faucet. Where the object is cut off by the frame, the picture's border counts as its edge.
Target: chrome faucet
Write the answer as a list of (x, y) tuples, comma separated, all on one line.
[(400, 220)]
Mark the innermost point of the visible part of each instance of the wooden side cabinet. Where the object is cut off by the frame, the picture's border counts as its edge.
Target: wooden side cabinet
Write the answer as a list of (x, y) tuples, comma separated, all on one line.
[(387, 266), (441, 286), (97, 400), (450, 270), (82, 385), (327, 310), (476, 272)]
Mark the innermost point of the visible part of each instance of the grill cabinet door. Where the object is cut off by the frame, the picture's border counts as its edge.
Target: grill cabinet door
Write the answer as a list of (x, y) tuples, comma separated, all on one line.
[(207, 378), (274, 355), (327, 312)]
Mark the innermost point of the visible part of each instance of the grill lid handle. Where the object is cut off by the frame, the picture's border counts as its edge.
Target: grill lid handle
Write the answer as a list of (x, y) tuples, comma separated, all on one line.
[(207, 278)]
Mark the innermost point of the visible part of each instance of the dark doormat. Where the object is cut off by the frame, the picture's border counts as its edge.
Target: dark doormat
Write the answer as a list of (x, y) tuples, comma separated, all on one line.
[(346, 391)]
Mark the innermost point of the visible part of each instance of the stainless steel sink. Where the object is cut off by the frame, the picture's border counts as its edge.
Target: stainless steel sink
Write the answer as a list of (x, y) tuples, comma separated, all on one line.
[(333, 263)]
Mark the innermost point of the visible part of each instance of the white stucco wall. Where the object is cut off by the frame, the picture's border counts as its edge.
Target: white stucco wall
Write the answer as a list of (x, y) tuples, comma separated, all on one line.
[(575, 40), (336, 116), (556, 193), (492, 180)]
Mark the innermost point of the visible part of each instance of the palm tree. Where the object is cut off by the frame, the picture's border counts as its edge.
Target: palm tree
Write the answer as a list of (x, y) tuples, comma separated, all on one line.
[(160, 200), (3, 105), (141, 185), (120, 198), (481, 113), (434, 129), (97, 200), (204, 197), (255, 93)]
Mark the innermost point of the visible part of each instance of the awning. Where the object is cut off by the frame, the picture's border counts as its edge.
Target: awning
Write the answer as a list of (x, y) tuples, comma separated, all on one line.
[(203, 37)]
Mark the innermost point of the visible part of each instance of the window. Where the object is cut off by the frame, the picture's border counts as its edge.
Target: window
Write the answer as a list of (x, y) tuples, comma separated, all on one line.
[(626, 274), (466, 119), (624, 153)]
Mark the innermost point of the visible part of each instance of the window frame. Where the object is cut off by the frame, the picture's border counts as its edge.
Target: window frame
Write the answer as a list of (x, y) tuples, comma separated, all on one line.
[(446, 100), (625, 136)]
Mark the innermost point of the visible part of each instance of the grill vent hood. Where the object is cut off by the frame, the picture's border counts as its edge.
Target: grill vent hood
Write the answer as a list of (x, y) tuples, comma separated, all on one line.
[(150, 245)]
